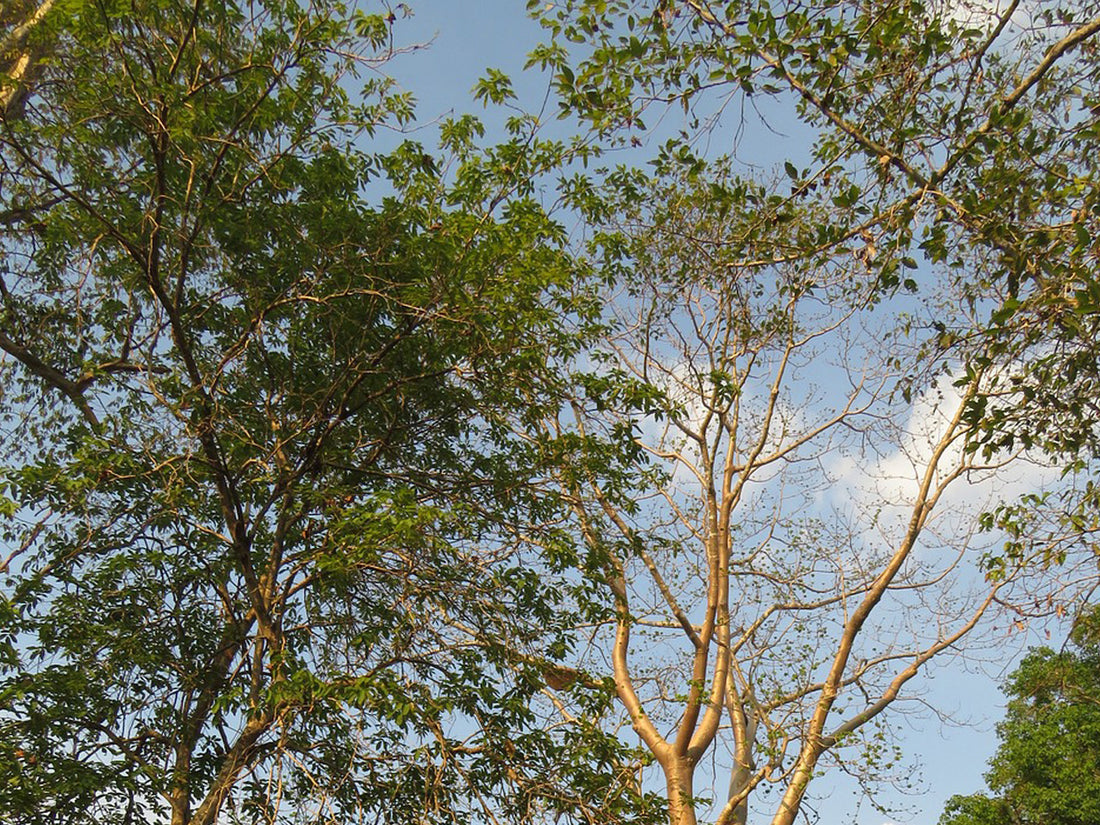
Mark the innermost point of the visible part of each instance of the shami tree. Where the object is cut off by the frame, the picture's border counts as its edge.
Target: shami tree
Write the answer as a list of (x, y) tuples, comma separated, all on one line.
[(262, 498)]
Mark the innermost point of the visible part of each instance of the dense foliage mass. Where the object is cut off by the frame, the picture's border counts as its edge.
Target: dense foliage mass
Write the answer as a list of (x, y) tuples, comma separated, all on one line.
[(490, 483), (1047, 767), (262, 508)]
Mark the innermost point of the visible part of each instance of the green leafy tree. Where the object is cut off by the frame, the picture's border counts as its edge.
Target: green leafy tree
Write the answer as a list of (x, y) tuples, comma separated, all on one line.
[(263, 492), (1047, 768)]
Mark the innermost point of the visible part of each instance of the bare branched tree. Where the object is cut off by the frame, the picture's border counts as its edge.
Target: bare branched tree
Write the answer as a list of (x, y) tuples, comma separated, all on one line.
[(798, 532)]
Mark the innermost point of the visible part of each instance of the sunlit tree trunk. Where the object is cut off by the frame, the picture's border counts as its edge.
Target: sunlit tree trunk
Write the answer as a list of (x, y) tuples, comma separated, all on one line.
[(678, 773), (18, 61), (743, 723)]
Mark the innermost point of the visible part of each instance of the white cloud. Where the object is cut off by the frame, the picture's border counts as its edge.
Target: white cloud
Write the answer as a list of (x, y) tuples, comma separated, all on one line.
[(982, 13), (880, 489)]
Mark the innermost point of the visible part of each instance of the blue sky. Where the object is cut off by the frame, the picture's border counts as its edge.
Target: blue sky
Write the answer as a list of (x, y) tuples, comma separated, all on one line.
[(460, 39)]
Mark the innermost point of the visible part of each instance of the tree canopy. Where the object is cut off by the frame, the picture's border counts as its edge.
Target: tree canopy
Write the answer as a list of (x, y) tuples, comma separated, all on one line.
[(494, 480), (263, 509)]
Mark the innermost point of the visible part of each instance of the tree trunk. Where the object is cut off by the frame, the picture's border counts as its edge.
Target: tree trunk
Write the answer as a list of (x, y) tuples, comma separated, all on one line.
[(743, 721), (739, 778), (18, 63), (679, 780)]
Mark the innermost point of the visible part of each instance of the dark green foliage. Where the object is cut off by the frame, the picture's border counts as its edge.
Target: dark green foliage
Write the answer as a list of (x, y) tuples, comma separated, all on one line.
[(1047, 769), (262, 480)]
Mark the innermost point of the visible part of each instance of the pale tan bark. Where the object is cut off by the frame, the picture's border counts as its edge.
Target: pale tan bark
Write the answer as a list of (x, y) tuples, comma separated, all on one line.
[(742, 714), (18, 61), (727, 449), (815, 743)]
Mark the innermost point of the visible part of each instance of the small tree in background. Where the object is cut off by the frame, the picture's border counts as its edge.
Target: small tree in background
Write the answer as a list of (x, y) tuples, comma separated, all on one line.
[(1047, 768)]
